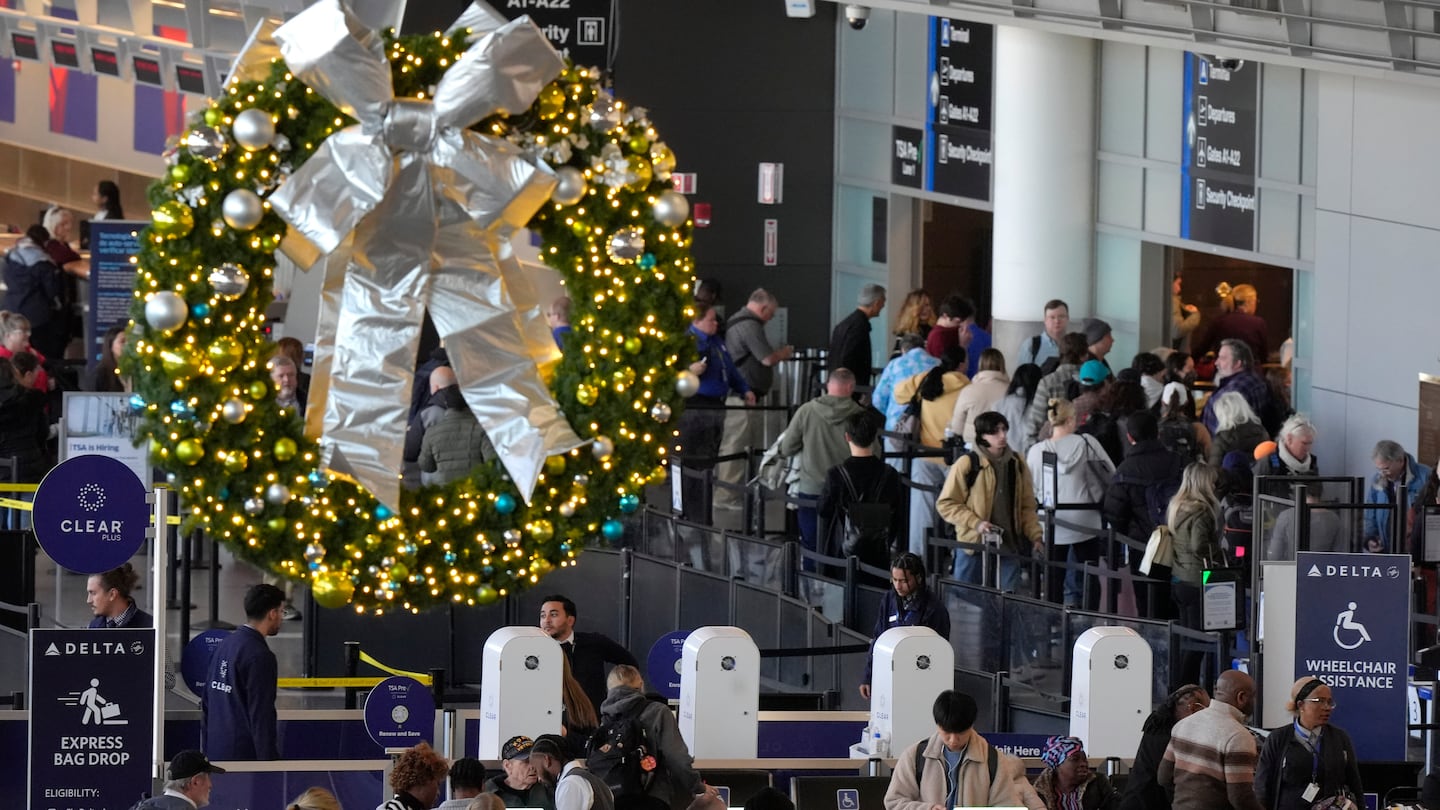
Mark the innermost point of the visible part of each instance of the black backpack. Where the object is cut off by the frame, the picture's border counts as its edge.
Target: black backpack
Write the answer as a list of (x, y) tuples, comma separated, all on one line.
[(1178, 436), (1157, 496), (865, 522), (621, 754)]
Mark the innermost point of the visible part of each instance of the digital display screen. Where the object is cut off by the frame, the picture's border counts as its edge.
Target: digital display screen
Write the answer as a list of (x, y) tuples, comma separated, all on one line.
[(66, 54), (25, 46), (105, 61), (147, 71), (190, 79)]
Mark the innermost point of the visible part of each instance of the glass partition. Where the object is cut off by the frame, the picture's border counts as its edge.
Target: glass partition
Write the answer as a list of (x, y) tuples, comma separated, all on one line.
[(974, 626)]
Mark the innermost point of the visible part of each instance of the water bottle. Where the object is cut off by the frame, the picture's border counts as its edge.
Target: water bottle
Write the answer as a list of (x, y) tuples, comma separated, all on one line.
[(878, 747)]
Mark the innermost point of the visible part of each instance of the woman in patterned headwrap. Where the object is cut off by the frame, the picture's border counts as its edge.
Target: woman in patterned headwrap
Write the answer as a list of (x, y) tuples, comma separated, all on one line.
[(1068, 783)]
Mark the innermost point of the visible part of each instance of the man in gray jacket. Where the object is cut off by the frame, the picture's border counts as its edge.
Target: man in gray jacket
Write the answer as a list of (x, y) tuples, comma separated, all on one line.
[(751, 350)]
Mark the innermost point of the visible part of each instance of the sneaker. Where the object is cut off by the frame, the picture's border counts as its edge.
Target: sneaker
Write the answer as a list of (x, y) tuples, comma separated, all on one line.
[(289, 613)]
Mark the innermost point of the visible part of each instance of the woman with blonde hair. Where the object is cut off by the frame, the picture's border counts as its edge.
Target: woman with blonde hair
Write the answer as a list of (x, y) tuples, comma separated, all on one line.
[(917, 316), (1194, 521), (985, 390), (1236, 428), (315, 799)]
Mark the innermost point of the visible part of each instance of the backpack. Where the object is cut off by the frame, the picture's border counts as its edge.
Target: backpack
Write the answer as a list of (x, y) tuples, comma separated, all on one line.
[(973, 470), (1178, 436), (865, 522), (992, 760), (1106, 430), (620, 753), (1157, 495)]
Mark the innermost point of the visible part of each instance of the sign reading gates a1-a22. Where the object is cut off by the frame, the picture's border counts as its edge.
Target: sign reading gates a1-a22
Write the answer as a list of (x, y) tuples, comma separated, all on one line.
[(1217, 167), (90, 514), (578, 29), (91, 697), (1352, 630)]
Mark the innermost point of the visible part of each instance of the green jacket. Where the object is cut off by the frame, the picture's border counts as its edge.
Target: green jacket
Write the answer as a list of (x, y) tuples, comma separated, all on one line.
[(817, 435), (453, 445), (1196, 541)]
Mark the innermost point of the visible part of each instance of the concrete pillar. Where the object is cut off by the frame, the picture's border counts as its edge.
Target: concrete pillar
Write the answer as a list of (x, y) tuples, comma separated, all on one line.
[(1044, 133)]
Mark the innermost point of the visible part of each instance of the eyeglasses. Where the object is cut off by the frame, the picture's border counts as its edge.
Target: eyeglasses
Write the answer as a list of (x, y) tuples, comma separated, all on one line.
[(1328, 703)]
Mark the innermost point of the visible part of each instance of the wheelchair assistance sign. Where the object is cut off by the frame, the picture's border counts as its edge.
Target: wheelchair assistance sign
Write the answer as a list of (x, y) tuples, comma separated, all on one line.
[(91, 718), (1352, 630)]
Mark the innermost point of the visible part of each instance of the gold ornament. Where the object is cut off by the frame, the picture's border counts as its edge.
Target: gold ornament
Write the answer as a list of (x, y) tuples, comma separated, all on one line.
[(624, 377), (485, 595), (172, 219), (662, 159), (579, 228), (189, 451), (225, 353), (638, 144), (258, 390), (586, 394), (541, 566), (285, 449), (640, 173), (332, 589), (213, 116), (633, 345), (235, 461), (180, 361), (552, 101), (277, 524), (555, 465), (542, 531)]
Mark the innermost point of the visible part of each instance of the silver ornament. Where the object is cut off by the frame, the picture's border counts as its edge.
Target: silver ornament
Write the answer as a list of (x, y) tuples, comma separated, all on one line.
[(626, 245), (582, 480), (571, 186), (254, 506), (253, 129), (603, 113), (242, 209), (277, 494), (233, 411), (512, 537), (281, 144), (602, 447), (567, 509), (671, 208), (206, 143), (166, 311), (687, 384), (660, 413), (229, 281), (314, 553)]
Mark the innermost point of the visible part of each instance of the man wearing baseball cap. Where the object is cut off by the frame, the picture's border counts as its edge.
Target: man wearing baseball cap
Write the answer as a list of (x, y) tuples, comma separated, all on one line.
[(575, 787), (188, 784), (519, 786)]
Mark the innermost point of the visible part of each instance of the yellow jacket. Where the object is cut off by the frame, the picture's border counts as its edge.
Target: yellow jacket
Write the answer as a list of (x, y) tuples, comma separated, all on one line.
[(934, 413), (966, 507)]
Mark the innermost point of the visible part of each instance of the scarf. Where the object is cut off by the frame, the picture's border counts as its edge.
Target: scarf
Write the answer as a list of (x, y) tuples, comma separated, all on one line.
[(1296, 466)]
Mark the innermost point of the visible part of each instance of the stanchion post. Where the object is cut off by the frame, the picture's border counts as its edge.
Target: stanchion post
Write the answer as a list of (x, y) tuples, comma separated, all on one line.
[(160, 534), (185, 589), (352, 665), (32, 615)]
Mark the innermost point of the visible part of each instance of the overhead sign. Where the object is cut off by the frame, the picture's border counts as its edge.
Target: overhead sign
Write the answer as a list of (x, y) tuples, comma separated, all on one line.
[(1352, 630), (195, 659), (663, 663), (961, 108), (581, 30), (1217, 169), (400, 713), (91, 717), (90, 514)]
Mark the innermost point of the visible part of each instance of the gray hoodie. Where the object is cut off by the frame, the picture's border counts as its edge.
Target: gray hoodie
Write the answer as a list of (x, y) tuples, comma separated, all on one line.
[(1083, 470)]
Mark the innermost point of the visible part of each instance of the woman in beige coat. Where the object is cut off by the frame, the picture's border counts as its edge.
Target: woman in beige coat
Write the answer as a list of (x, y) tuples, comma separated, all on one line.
[(987, 388)]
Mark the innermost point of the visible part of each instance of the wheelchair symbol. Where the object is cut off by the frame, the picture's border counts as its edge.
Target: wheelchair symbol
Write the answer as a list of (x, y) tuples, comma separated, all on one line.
[(1346, 621), (847, 799)]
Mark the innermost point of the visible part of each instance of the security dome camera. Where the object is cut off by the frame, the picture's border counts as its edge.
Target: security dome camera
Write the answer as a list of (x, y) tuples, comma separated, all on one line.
[(857, 15), (1227, 62)]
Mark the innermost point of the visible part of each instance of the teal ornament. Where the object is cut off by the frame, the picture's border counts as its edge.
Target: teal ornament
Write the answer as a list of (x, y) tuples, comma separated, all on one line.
[(629, 503), (181, 408), (613, 530), (318, 479), (200, 310), (451, 557), (382, 512), (488, 571), (505, 503), (646, 261), (137, 402)]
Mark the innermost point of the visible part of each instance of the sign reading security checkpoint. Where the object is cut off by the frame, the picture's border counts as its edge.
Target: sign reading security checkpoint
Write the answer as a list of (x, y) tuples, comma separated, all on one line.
[(1352, 630), (90, 514), (91, 718)]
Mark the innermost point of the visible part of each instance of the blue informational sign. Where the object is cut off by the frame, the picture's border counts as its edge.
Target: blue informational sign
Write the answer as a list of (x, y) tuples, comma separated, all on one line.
[(1217, 167), (195, 659), (1352, 630), (92, 698), (959, 109), (663, 663), (400, 713), (112, 280), (90, 514)]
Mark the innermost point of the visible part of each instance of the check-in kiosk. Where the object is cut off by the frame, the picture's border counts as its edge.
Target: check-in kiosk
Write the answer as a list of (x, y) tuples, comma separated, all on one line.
[(912, 666), (521, 688), (720, 694), (1110, 691)]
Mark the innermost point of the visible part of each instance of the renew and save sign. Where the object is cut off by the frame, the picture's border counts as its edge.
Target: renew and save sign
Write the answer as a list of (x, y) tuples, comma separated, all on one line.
[(1352, 630), (91, 718)]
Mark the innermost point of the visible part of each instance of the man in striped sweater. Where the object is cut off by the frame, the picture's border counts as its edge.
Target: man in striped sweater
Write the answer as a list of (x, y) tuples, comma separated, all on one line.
[(1210, 763)]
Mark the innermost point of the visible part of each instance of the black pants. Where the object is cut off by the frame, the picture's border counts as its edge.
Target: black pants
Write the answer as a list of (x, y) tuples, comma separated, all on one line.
[(701, 427), (1190, 612)]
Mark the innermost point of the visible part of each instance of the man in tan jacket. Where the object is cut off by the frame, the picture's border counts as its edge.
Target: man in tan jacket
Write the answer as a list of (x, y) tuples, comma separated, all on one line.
[(989, 492), (956, 767)]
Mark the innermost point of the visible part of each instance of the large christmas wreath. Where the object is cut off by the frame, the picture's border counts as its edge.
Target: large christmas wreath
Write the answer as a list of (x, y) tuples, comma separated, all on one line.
[(246, 470)]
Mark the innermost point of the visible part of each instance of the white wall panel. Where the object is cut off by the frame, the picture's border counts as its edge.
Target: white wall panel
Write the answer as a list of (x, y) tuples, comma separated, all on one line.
[(912, 57), (1279, 213), (1335, 139), (1121, 190), (1164, 104), (867, 64), (864, 151), (1394, 171), (1162, 201), (1122, 99), (1332, 294), (1393, 329)]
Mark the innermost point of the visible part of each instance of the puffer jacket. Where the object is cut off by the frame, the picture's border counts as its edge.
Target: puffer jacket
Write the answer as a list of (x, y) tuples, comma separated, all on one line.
[(1196, 541), (817, 435), (455, 443), (966, 507)]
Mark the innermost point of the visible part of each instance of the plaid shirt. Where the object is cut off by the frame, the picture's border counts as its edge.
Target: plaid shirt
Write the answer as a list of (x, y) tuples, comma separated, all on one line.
[(1249, 385), (124, 618)]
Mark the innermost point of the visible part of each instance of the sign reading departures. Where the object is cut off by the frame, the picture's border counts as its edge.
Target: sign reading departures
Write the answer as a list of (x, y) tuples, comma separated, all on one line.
[(1217, 169)]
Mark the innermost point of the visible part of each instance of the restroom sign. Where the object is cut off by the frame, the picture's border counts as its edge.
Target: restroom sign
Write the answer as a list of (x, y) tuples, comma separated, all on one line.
[(92, 698)]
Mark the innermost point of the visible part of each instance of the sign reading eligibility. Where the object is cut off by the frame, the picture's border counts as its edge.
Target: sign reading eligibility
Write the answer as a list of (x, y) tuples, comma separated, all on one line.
[(961, 104), (90, 514), (1352, 630), (91, 718), (578, 29), (1217, 168), (400, 712)]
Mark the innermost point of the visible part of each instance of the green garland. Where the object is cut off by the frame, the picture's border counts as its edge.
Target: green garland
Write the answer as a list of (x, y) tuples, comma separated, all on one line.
[(247, 473)]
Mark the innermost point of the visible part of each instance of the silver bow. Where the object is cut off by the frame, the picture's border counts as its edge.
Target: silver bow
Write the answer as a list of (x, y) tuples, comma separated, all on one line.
[(412, 211)]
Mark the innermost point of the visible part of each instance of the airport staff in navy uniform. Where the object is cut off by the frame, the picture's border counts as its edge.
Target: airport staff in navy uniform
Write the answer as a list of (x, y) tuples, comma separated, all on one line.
[(238, 722), (908, 603)]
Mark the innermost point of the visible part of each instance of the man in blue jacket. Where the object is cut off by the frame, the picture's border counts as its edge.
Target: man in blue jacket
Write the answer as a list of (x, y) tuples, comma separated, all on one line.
[(908, 603), (1395, 470), (238, 720)]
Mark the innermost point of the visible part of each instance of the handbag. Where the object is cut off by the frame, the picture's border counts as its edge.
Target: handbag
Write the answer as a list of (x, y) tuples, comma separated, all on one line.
[(909, 421), (1159, 549)]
